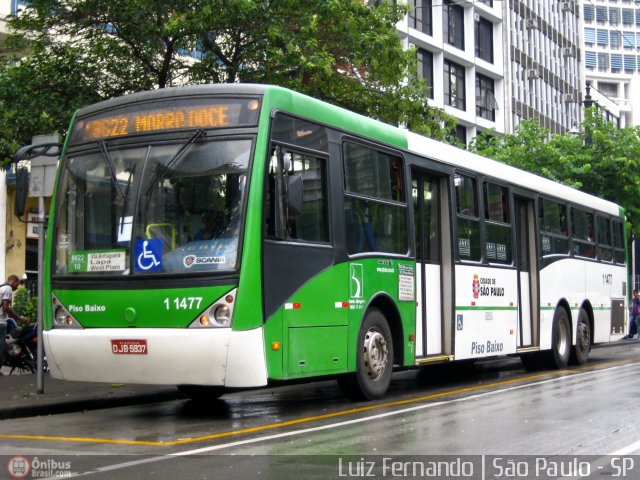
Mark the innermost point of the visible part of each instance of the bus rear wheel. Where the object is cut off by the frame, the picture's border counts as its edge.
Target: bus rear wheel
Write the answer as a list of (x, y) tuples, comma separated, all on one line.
[(580, 351), (374, 360), (201, 393), (558, 356)]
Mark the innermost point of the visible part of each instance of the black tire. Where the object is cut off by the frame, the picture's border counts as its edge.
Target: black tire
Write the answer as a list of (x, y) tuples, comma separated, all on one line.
[(580, 351), (374, 360), (558, 356), (202, 393)]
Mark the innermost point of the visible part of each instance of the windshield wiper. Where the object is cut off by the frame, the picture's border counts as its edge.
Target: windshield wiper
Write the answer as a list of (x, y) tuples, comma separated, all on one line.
[(178, 156), (111, 166)]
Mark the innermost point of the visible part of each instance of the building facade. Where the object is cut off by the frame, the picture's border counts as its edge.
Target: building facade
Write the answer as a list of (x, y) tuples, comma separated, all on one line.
[(492, 64), (612, 56), (544, 62), (461, 57)]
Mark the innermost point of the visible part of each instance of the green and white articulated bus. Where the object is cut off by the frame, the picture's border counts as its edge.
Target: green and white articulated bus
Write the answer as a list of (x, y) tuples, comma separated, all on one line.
[(233, 236)]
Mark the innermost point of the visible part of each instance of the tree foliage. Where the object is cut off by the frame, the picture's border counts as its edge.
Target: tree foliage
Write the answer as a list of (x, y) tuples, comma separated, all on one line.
[(602, 159), (341, 51)]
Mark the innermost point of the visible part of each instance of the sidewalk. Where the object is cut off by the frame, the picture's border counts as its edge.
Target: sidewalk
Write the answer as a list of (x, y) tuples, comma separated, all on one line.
[(19, 397)]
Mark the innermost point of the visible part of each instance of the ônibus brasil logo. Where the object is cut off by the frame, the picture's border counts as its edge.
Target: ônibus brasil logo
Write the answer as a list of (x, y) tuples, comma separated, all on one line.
[(19, 466)]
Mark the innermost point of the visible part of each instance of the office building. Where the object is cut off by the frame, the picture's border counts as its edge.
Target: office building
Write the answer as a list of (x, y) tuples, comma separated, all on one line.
[(493, 64), (612, 56)]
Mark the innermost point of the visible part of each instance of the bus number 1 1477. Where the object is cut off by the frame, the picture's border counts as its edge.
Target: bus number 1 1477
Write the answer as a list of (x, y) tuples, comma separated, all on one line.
[(183, 303)]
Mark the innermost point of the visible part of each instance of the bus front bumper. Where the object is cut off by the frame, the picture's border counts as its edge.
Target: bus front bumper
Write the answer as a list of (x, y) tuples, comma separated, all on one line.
[(169, 357)]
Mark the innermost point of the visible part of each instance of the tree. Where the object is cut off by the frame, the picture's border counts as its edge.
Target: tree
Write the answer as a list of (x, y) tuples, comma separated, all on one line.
[(601, 160), (341, 51)]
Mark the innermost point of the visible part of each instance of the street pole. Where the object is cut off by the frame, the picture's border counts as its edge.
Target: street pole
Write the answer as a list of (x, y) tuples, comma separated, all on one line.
[(41, 179), (40, 353)]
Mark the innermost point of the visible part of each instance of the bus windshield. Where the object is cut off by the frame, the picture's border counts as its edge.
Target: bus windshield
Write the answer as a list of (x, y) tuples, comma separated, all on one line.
[(171, 208)]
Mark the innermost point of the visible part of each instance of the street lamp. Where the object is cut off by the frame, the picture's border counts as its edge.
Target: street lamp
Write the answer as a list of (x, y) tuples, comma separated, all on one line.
[(588, 103)]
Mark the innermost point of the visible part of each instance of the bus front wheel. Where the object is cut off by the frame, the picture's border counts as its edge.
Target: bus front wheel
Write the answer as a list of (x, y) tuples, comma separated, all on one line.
[(374, 360), (558, 356)]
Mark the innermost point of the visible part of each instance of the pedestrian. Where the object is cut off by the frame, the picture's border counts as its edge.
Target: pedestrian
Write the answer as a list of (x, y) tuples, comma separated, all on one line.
[(7, 315), (6, 303), (634, 317)]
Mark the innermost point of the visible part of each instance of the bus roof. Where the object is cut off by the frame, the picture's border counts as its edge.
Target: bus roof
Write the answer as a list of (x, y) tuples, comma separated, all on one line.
[(299, 104), (311, 108), (470, 161)]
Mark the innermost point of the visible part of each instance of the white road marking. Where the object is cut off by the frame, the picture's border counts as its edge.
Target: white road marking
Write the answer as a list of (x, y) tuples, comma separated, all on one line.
[(248, 441)]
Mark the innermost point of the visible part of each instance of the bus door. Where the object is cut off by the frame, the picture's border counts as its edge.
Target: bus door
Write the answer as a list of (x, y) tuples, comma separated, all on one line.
[(431, 269), (528, 305)]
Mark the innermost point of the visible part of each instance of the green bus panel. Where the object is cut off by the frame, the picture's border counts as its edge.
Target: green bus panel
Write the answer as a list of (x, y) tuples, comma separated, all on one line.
[(317, 350), (167, 308), (336, 301)]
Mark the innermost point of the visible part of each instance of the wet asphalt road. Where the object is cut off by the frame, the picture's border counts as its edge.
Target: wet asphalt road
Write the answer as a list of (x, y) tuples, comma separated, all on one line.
[(312, 431)]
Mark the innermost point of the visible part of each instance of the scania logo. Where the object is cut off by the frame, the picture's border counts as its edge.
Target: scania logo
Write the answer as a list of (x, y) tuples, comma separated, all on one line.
[(189, 260)]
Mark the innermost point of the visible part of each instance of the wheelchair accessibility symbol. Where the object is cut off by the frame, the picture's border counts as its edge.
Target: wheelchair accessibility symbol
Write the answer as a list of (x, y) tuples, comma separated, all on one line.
[(148, 254)]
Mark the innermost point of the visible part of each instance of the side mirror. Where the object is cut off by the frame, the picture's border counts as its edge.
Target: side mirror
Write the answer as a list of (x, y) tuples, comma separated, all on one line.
[(22, 191), (294, 194)]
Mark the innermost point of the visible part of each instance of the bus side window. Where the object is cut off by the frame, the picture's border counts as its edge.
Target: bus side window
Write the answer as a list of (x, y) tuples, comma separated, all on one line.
[(583, 233), (619, 252), (604, 239), (282, 222), (468, 221), (552, 217), (497, 223), (375, 201)]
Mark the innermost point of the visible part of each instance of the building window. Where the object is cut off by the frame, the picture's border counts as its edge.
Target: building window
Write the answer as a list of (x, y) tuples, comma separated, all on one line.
[(608, 89), (601, 14), (454, 85), (484, 40), (461, 134), (485, 98), (588, 13), (627, 17), (616, 62), (628, 40), (603, 62), (603, 37), (425, 68), (614, 16), (421, 17), (589, 36), (629, 63), (453, 24), (614, 39)]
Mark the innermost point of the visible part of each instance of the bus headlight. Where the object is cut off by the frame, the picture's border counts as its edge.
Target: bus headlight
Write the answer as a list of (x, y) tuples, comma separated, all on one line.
[(218, 314), (62, 318), (222, 315)]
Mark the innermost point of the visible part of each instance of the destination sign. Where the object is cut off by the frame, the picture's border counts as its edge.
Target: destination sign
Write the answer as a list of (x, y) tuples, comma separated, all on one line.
[(177, 114)]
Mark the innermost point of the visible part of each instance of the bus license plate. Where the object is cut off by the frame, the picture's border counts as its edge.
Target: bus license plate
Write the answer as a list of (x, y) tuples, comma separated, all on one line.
[(129, 347)]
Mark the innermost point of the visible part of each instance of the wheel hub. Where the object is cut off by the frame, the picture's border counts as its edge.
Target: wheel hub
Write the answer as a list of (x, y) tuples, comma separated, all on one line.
[(375, 354)]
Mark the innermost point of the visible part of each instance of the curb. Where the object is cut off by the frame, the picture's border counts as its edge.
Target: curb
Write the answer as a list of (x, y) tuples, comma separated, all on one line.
[(54, 408)]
